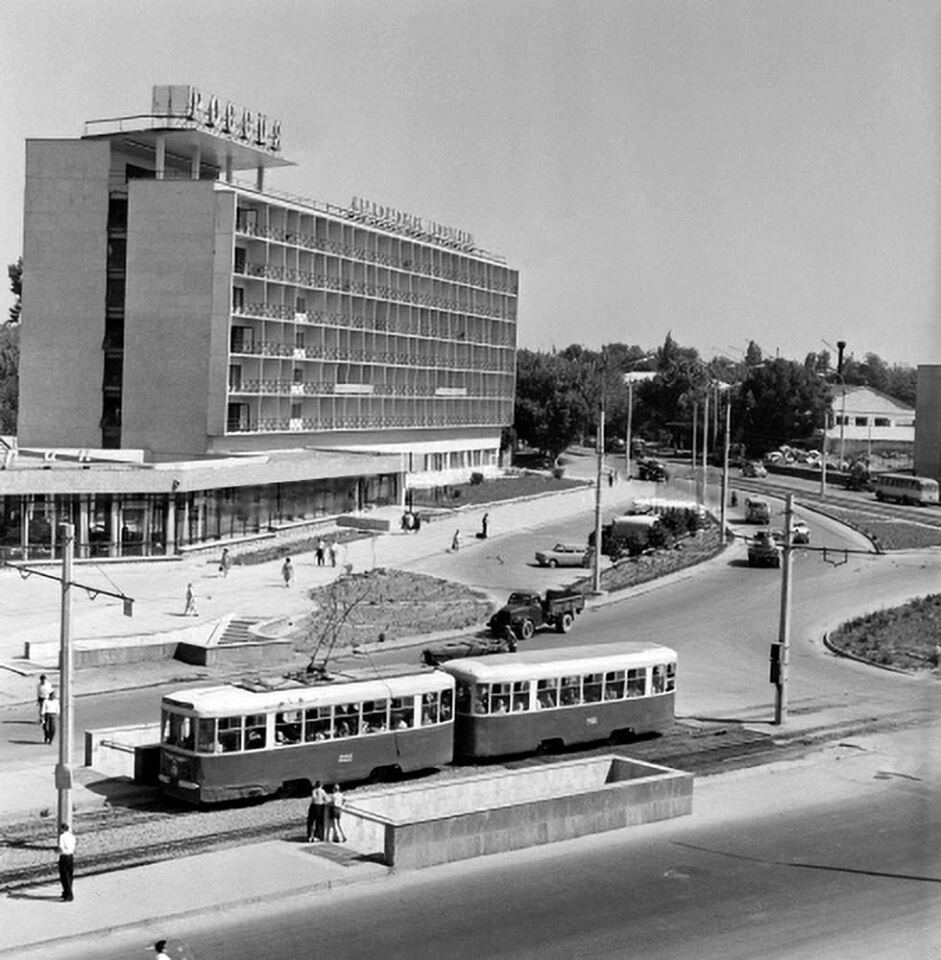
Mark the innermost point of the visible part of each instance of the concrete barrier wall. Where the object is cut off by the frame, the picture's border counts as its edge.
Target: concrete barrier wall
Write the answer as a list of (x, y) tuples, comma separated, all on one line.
[(509, 811), (110, 750)]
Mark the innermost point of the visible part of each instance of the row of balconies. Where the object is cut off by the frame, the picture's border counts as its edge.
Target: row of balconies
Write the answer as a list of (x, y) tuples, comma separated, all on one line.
[(277, 311), (275, 387), (310, 424), (384, 292), (373, 358), (424, 267)]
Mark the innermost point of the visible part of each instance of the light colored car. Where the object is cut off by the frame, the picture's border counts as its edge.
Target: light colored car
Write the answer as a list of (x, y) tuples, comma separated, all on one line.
[(754, 468), (800, 532), (564, 555)]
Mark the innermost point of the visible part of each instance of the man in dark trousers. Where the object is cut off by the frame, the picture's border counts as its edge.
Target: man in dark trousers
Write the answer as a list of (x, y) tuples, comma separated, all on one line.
[(66, 860)]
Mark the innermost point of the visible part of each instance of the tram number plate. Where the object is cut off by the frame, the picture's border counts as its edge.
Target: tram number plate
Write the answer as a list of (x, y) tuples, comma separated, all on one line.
[(346, 758), (591, 721)]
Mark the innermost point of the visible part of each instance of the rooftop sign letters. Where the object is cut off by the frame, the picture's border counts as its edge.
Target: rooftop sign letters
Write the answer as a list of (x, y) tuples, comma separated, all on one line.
[(222, 117), (380, 216)]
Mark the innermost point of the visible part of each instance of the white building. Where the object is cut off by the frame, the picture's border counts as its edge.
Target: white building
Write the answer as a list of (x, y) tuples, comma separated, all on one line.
[(865, 419)]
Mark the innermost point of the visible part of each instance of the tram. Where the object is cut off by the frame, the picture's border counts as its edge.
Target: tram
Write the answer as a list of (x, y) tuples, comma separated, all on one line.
[(255, 739), (548, 699)]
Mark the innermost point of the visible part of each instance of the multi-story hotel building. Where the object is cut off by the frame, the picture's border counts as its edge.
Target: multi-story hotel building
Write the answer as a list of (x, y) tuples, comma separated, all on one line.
[(171, 309)]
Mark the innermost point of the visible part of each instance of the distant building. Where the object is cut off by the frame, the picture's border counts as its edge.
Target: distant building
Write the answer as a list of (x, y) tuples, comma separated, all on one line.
[(864, 419), (928, 430), (179, 324)]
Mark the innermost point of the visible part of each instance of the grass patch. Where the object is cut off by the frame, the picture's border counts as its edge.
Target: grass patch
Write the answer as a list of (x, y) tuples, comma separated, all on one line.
[(491, 491), (384, 604), (906, 637), (898, 534)]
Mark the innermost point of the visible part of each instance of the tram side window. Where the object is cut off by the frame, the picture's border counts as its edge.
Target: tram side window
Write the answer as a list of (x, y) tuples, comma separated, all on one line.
[(255, 725), (659, 679), (375, 716), (346, 720), (230, 734), (637, 682), (671, 676), (429, 706), (206, 735), (614, 685), (520, 696), (446, 710), (317, 723), (500, 697), (287, 727), (547, 693), (401, 713), (570, 693), (592, 686), (482, 698), (465, 699)]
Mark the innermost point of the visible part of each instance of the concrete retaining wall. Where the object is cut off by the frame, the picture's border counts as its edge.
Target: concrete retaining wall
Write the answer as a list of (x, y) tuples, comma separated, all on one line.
[(111, 750), (471, 817)]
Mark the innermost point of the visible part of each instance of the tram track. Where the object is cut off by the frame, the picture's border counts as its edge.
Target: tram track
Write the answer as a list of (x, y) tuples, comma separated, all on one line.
[(118, 838)]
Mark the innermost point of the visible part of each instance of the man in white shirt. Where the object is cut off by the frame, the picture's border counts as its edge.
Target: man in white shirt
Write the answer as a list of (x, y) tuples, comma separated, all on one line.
[(66, 860), (43, 689)]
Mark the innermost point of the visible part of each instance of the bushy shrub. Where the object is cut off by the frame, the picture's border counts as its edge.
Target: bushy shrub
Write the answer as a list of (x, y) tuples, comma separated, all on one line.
[(476, 478)]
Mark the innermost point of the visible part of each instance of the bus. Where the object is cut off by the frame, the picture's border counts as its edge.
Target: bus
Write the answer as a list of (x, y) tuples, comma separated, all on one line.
[(905, 488), (256, 739), (547, 699)]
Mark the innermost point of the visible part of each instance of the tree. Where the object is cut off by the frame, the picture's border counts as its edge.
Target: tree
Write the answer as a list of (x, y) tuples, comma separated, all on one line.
[(9, 382), (780, 402), (552, 410), (15, 273)]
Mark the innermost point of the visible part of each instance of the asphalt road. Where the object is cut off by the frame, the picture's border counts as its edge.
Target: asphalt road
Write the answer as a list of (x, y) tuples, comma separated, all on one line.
[(837, 858)]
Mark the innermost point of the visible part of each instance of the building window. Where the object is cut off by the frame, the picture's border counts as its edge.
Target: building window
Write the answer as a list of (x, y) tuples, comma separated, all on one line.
[(298, 375), (295, 411), (862, 421), (299, 339), (238, 299), (240, 257), (235, 377), (883, 422)]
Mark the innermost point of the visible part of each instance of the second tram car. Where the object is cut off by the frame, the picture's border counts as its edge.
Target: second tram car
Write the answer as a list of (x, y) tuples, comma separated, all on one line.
[(251, 740), (546, 699)]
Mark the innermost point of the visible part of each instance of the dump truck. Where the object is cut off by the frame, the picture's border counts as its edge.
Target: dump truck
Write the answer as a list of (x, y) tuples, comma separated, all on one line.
[(526, 611)]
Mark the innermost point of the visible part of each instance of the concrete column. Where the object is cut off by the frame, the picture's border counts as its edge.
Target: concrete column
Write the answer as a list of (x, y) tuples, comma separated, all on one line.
[(228, 169), (114, 544), (161, 156), (171, 526), (26, 511), (260, 179), (196, 163), (83, 526)]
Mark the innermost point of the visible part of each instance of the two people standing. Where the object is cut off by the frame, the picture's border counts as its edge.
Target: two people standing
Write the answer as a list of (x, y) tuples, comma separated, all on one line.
[(324, 815)]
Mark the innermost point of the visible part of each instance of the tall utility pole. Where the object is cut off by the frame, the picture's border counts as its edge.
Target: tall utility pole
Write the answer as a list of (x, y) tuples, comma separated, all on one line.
[(724, 492), (780, 651), (63, 775), (599, 443)]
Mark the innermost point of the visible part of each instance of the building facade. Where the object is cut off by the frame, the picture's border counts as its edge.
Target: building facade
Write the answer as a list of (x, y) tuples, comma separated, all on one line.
[(928, 429), (864, 419), (171, 308)]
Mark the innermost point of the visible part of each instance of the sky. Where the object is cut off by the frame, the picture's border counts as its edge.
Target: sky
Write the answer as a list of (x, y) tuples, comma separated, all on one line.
[(725, 170)]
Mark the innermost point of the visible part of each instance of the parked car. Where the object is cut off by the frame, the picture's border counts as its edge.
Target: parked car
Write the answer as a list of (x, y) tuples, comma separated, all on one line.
[(763, 550), (752, 468), (564, 555)]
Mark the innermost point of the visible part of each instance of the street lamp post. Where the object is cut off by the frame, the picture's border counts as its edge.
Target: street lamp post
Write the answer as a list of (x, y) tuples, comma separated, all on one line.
[(599, 442), (63, 773), (628, 439)]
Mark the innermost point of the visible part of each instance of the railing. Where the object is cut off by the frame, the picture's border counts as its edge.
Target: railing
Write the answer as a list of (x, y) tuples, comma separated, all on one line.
[(319, 281), (327, 423)]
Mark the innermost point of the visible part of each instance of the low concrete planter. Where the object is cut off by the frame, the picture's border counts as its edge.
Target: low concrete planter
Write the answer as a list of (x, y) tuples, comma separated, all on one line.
[(420, 826)]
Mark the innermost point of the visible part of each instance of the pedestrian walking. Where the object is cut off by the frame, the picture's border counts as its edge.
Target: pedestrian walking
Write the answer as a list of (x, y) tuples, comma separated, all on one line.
[(190, 609), (319, 552), (334, 551), (50, 714), (334, 815), (456, 541), (160, 949), (66, 860), (225, 561), (317, 814), (43, 689), (287, 571), (484, 526)]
